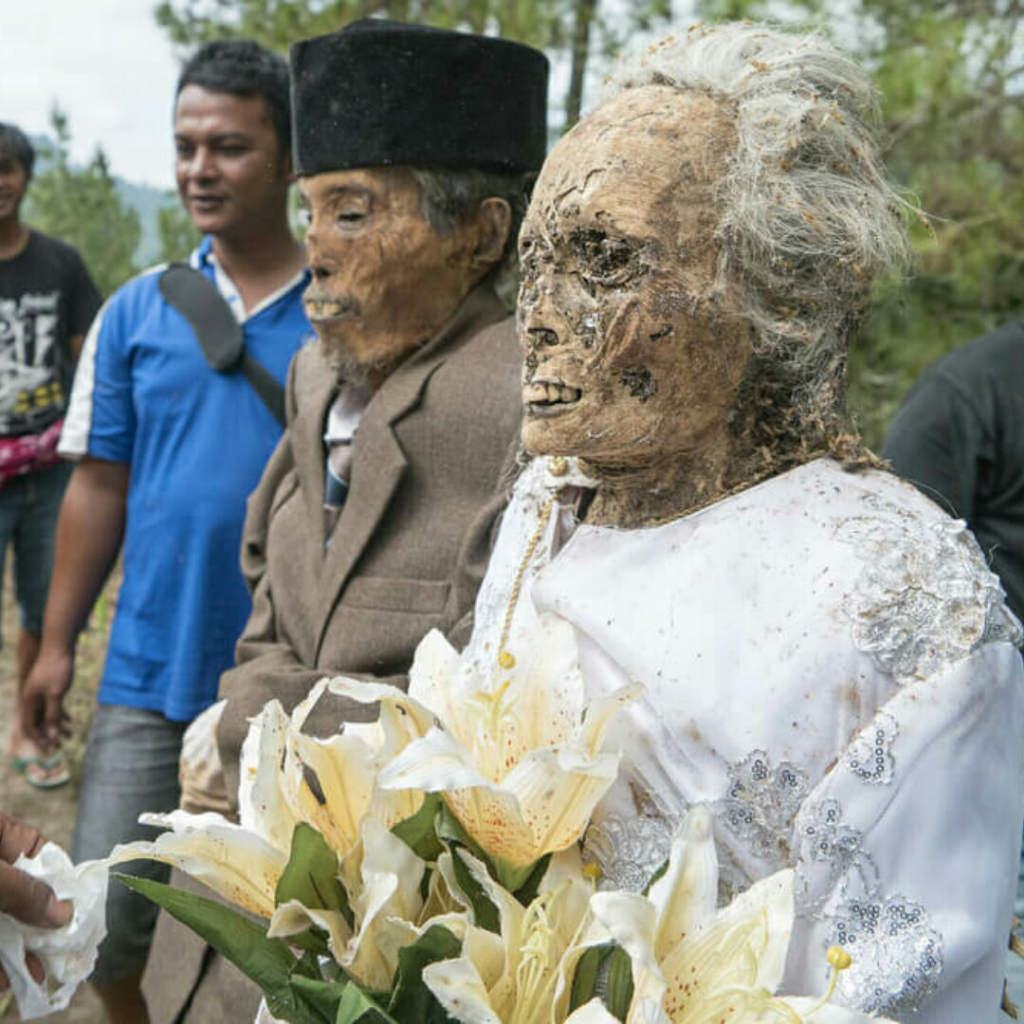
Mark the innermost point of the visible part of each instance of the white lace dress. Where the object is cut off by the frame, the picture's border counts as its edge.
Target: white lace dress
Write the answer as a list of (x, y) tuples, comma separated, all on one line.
[(829, 666)]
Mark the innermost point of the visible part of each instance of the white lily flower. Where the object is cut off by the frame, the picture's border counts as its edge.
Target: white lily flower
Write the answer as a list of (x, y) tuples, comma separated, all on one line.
[(693, 963), (517, 757), (234, 862), (288, 777), (518, 977)]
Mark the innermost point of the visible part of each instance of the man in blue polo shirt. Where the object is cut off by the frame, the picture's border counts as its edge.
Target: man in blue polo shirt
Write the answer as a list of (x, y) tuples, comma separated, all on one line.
[(168, 451)]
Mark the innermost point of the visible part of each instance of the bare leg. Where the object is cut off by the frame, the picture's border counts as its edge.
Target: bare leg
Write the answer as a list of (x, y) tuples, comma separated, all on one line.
[(26, 652), (123, 1000)]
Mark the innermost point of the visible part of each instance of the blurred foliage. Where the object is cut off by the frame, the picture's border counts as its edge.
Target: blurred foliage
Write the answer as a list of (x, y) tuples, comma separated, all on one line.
[(951, 77), (178, 235), (81, 206), (569, 27)]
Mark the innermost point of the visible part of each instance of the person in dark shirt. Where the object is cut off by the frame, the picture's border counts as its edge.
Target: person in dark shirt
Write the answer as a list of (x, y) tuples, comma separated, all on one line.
[(47, 301), (958, 437)]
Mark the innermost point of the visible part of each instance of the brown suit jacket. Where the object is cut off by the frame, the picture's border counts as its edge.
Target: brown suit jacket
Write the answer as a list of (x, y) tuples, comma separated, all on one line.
[(410, 548), (407, 555)]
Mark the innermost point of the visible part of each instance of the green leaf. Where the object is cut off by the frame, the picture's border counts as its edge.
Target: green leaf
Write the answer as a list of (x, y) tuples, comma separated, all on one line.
[(517, 876), (449, 829), (268, 962), (356, 1005), (419, 832), (311, 875), (584, 979), (514, 877), (411, 1000), (619, 990), (311, 878), (325, 996), (605, 971), (308, 966), (313, 941), (527, 890), (485, 913)]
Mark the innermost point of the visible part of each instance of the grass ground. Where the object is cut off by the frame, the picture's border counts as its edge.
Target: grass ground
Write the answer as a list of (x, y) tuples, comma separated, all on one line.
[(53, 811)]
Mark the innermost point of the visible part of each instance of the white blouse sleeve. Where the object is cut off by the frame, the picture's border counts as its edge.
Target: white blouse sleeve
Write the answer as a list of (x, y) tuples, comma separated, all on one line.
[(908, 848)]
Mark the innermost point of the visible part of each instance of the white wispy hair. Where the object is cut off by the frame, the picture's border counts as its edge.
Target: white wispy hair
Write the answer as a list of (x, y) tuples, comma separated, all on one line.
[(808, 217)]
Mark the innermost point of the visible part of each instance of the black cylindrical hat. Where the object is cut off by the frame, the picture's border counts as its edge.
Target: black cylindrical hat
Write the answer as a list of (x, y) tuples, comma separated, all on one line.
[(384, 93)]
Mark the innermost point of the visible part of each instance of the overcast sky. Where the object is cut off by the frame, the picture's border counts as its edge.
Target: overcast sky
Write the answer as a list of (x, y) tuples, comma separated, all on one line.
[(113, 71), (106, 64)]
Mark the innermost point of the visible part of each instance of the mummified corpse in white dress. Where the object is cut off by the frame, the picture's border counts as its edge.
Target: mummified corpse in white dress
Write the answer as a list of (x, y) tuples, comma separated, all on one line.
[(829, 666)]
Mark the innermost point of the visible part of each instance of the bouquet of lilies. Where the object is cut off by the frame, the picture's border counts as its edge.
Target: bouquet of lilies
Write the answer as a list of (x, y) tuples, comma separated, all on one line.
[(427, 868)]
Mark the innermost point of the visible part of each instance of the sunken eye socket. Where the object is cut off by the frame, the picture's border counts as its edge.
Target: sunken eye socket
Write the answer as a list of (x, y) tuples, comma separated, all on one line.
[(532, 254), (603, 259)]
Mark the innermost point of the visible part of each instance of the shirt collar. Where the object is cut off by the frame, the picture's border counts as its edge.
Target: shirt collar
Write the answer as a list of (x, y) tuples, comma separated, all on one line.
[(203, 256)]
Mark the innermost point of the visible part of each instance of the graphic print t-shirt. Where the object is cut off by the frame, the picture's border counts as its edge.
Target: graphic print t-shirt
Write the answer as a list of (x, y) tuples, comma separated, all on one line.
[(46, 297)]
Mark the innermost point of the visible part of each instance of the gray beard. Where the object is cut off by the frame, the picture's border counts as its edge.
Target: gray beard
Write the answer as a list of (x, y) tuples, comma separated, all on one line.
[(347, 369)]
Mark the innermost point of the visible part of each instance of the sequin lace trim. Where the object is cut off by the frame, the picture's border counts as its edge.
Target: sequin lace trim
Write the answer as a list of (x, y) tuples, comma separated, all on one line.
[(760, 805), (869, 756), (828, 844), (925, 596), (629, 853), (897, 955)]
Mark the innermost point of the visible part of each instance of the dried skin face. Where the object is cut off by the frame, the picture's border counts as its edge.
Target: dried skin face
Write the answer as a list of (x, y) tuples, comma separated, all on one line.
[(631, 361), (384, 280)]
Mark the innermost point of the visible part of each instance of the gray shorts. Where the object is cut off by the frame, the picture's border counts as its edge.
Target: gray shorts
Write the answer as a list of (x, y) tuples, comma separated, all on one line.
[(29, 506), (131, 766)]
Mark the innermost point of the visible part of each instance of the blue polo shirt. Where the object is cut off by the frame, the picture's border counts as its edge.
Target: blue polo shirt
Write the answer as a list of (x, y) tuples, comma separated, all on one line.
[(196, 442)]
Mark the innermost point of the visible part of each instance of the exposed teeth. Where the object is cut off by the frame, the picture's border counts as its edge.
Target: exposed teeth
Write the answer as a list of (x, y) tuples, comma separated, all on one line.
[(323, 308), (548, 393)]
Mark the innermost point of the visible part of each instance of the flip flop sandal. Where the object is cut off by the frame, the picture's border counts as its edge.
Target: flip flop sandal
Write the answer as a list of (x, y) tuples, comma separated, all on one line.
[(47, 765)]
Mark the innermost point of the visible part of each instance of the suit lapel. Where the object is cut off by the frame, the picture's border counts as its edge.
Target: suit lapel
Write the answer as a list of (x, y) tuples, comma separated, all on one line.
[(377, 458)]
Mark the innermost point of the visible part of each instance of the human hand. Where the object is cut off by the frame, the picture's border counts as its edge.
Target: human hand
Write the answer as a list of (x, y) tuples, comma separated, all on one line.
[(41, 701), (22, 896)]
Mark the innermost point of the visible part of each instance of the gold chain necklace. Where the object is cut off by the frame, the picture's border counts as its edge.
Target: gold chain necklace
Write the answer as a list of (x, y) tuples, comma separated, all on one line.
[(545, 515)]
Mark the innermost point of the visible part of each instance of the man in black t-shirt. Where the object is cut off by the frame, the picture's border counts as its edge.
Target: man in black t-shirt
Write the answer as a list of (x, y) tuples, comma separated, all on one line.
[(959, 437), (47, 301)]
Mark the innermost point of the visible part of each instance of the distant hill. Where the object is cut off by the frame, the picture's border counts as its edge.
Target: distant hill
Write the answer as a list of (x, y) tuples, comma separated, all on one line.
[(147, 202), (144, 199)]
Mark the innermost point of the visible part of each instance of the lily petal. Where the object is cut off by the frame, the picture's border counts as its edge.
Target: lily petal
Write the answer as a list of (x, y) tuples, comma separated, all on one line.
[(292, 918), (592, 1012), (686, 895), (457, 986), (238, 865), (262, 806)]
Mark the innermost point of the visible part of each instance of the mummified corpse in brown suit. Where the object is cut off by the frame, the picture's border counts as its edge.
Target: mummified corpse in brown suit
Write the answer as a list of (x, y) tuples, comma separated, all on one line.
[(409, 549)]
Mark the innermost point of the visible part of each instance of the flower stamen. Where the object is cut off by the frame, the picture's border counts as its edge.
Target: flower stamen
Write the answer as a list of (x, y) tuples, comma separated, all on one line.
[(840, 960)]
